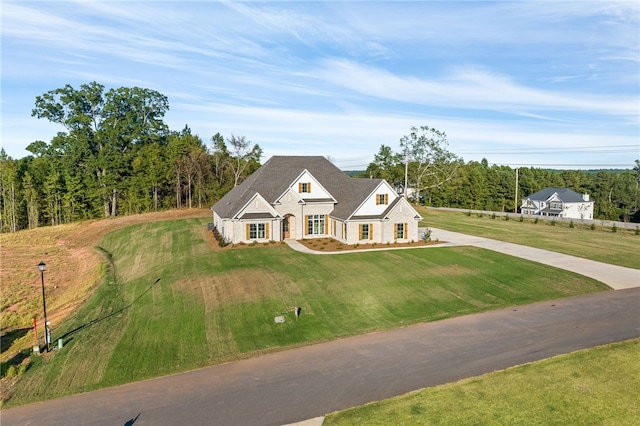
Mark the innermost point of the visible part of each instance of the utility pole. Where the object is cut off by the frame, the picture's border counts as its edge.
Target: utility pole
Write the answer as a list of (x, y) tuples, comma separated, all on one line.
[(515, 202), (406, 174)]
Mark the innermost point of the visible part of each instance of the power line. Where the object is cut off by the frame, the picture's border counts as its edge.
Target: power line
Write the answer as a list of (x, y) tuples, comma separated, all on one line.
[(599, 166), (555, 151)]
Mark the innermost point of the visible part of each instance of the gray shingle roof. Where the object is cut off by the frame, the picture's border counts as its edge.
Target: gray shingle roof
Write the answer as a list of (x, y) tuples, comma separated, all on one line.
[(565, 195), (273, 178)]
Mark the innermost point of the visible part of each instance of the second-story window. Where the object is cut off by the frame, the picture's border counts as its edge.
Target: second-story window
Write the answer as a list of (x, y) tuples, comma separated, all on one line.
[(304, 187)]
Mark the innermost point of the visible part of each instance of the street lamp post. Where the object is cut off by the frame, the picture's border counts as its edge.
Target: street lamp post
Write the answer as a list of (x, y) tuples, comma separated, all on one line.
[(47, 333)]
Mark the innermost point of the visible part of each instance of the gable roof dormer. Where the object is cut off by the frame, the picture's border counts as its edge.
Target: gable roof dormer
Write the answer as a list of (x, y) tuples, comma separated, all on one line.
[(309, 188), (377, 201), (256, 208)]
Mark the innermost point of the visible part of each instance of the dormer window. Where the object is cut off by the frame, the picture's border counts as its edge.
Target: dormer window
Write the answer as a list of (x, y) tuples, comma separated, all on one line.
[(382, 199), (304, 187), (555, 205)]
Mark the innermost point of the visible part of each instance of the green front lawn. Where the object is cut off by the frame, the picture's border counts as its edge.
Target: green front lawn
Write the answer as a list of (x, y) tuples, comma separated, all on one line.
[(600, 244), (212, 306)]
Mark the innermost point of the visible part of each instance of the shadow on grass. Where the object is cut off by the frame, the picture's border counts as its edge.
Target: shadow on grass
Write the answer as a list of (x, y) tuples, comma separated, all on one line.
[(7, 339), (65, 337), (14, 362)]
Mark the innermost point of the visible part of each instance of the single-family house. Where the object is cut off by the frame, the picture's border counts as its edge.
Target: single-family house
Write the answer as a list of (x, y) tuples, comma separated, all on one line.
[(558, 202), (309, 197)]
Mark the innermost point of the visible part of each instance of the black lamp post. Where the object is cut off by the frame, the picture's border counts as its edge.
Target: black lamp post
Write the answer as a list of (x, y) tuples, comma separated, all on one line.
[(47, 336)]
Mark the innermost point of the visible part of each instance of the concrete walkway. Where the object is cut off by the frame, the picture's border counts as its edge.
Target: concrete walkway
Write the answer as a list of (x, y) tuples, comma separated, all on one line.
[(616, 277)]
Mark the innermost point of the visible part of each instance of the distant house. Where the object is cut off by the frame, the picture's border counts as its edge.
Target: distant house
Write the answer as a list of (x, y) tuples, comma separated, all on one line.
[(308, 197), (558, 202)]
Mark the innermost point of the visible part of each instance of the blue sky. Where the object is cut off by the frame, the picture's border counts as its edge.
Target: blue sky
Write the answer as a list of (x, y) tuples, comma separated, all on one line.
[(525, 83)]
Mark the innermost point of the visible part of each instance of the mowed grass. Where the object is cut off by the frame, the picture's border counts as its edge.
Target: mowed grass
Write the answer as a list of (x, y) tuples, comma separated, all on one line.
[(597, 386), (172, 303), (600, 244)]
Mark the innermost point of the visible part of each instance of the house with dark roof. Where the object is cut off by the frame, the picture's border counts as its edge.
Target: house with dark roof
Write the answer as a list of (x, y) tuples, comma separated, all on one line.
[(558, 202), (309, 197)]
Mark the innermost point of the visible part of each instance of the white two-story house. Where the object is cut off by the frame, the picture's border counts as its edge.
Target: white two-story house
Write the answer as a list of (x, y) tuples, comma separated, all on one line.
[(558, 202), (309, 197)]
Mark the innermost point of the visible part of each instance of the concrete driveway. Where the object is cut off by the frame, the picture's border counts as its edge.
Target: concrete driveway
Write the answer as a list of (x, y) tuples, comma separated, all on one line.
[(616, 277)]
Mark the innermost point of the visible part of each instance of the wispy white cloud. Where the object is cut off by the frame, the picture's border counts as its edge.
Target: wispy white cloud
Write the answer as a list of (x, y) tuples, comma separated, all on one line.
[(469, 89), (340, 78)]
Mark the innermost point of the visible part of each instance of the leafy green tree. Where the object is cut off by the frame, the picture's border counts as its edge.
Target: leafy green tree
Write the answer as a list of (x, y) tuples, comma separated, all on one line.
[(179, 149), (150, 170), (501, 181), (104, 128), (32, 200), (387, 165), (243, 159), (635, 211), (575, 180), (8, 193), (477, 179), (430, 164), (220, 160), (53, 197)]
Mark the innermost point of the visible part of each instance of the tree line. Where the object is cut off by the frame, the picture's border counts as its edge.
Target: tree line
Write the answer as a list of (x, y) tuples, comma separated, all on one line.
[(439, 178), (115, 156)]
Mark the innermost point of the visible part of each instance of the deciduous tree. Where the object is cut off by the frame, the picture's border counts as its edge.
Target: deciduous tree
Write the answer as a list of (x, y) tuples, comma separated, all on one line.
[(429, 162)]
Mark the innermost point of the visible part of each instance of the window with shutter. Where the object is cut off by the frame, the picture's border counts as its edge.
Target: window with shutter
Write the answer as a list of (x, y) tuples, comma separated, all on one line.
[(365, 231), (257, 231), (304, 187), (316, 224)]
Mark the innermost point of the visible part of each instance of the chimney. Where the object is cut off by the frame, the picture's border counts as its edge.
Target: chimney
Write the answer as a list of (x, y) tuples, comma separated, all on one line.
[(585, 197)]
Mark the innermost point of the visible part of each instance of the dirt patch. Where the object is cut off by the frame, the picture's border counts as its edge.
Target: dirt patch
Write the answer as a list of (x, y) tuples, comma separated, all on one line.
[(238, 287)]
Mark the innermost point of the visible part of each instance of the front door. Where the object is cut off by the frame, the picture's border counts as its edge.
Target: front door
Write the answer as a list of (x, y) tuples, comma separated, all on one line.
[(285, 227), (289, 226)]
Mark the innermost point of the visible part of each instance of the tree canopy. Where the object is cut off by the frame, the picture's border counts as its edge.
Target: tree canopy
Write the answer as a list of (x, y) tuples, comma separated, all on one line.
[(115, 155)]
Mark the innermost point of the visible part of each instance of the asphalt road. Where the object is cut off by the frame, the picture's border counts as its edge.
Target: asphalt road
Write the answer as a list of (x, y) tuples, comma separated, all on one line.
[(298, 384)]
